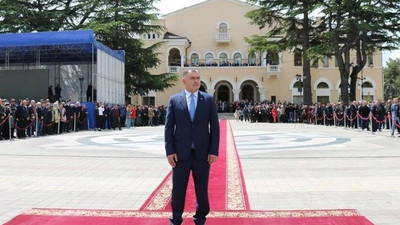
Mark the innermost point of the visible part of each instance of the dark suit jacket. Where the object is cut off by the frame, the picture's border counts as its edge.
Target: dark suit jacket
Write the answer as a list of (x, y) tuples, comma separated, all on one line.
[(180, 131)]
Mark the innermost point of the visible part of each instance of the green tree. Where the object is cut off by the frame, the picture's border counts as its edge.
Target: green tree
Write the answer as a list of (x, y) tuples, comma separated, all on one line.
[(290, 19), (391, 75), (42, 15), (116, 23), (360, 26)]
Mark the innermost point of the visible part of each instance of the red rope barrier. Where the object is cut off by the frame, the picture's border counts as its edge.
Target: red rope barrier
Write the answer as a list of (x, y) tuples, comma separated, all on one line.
[(337, 118), (1, 124), (329, 118), (48, 125), (379, 121), (351, 120), (24, 128), (363, 118), (82, 122)]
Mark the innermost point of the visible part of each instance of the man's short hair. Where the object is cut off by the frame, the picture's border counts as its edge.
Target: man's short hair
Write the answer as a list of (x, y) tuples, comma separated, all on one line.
[(186, 72)]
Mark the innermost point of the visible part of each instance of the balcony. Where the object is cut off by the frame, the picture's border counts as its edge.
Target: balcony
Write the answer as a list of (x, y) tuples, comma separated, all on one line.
[(223, 38), (173, 69), (273, 70)]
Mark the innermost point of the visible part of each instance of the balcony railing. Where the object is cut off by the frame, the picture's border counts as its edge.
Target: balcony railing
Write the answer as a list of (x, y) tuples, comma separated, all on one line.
[(273, 70), (223, 37), (173, 69)]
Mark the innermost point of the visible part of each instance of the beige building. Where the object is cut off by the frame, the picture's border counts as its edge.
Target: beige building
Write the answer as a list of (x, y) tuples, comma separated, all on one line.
[(209, 36)]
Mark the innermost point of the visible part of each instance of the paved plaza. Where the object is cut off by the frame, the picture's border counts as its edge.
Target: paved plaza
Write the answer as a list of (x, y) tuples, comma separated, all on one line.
[(285, 166)]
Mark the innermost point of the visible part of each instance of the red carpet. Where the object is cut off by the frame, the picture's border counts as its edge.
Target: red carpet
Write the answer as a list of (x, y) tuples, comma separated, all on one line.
[(115, 217), (226, 194), (229, 203)]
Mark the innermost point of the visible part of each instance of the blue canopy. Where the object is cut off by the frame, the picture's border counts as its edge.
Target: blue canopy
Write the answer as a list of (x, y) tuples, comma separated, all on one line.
[(56, 46)]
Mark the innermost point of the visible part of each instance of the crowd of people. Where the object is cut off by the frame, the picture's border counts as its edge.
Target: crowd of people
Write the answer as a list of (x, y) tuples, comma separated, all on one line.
[(129, 116), (27, 118), (371, 116)]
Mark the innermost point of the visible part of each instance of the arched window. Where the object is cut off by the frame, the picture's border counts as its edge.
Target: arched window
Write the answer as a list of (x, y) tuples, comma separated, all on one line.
[(367, 84), (272, 58), (238, 58), (194, 59), (298, 84), (223, 28), (323, 85), (223, 58), (209, 58), (252, 59)]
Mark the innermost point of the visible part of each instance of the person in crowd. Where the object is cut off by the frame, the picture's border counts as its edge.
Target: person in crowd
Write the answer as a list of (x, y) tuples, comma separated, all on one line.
[(58, 92), (69, 113), (48, 125), (77, 108), (82, 120), (387, 113), (380, 115), (133, 116), (128, 117), (139, 113), (23, 118), (364, 111), (274, 113), (50, 94), (107, 117), (100, 116), (394, 109), (56, 113), (115, 115), (40, 117), (89, 91), (63, 117), (236, 114), (163, 113), (150, 114), (145, 115), (31, 129), (6, 125), (122, 115), (246, 113)]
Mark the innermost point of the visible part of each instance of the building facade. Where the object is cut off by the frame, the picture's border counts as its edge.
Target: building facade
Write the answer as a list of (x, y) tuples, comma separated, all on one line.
[(210, 37)]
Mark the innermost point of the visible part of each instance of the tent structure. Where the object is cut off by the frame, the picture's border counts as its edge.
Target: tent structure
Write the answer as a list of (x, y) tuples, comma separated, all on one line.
[(85, 69)]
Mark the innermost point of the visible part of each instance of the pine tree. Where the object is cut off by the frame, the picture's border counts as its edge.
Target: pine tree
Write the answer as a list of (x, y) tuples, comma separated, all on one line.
[(290, 19)]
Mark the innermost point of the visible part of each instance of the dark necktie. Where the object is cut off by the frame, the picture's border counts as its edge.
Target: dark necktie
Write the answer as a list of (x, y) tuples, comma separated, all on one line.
[(192, 107)]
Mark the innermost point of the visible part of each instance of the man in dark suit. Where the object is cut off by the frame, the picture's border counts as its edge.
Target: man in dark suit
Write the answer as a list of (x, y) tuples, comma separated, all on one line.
[(191, 143)]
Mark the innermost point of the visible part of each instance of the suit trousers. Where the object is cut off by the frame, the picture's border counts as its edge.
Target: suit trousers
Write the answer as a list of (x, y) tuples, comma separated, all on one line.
[(180, 176)]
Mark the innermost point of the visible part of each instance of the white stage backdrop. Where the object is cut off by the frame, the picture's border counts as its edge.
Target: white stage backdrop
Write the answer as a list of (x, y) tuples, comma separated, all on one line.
[(110, 78)]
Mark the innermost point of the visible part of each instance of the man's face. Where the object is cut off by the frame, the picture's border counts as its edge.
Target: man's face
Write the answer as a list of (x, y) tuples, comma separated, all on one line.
[(192, 81)]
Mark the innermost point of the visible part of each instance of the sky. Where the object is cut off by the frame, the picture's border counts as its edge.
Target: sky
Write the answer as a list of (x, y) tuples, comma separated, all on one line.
[(167, 6)]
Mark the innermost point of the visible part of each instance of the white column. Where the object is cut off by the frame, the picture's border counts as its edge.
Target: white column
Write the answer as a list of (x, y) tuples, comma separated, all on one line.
[(182, 60), (211, 91), (263, 59), (236, 92), (262, 93)]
